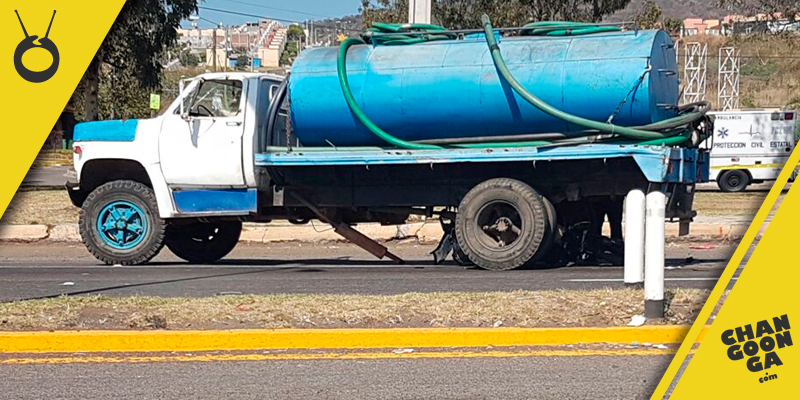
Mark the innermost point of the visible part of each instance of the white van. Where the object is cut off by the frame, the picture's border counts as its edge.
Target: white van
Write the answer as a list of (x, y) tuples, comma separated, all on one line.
[(750, 146)]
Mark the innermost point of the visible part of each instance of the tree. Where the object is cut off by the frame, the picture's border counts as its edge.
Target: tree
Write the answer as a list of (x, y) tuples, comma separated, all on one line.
[(134, 46), (673, 25), (466, 14), (389, 11), (648, 15), (243, 61), (294, 36), (187, 58)]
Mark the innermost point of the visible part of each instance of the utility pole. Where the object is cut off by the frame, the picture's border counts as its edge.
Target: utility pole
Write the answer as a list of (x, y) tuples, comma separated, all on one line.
[(419, 11), (214, 48), (251, 47), (227, 52)]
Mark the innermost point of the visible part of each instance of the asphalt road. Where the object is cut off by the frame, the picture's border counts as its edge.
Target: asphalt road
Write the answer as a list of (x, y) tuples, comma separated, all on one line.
[(575, 377), (38, 270), (54, 176)]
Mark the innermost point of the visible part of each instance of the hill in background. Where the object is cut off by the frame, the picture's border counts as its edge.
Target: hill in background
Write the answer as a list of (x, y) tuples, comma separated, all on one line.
[(679, 9)]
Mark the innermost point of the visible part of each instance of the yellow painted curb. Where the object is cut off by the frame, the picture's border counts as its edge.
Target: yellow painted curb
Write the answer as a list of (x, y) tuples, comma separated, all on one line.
[(172, 358), (151, 341)]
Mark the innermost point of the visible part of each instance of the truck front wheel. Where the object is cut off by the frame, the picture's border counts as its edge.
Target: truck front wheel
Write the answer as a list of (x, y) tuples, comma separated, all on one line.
[(733, 181), (501, 224), (119, 223), (203, 242)]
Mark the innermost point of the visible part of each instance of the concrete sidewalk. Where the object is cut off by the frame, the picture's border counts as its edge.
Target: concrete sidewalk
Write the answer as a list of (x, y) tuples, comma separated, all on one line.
[(704, 228)]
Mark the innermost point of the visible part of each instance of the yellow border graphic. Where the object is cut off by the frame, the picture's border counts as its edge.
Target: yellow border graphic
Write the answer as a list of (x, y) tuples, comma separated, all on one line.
[(726, 276)]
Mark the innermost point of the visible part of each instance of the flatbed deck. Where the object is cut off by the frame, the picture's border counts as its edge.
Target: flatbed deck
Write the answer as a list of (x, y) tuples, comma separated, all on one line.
[(659, 164)]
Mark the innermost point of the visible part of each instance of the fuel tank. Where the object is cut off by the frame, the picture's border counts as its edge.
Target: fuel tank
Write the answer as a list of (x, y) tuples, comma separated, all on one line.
[(451, 89)]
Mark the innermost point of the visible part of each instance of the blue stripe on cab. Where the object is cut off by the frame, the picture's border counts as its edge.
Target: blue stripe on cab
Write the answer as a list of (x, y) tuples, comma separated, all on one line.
[(211, 200), (106, 131)]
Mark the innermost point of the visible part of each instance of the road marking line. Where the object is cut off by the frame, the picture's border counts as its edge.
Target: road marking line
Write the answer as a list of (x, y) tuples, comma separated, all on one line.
[(332, 356), (620, 280), (265, 339)]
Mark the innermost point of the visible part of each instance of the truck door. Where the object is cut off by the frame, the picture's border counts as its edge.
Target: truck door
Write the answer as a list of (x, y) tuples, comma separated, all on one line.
[(203, 147)]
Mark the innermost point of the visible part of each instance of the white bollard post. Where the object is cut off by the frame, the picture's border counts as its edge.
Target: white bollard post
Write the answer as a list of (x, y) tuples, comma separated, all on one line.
[(634, 238), (654, 255)]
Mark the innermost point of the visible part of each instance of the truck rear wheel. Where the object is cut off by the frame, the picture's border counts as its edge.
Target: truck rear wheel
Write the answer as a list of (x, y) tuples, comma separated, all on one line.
[(501, 224), (119, 223), (550, 235), (203, 242), (459, 256), (733, 181)]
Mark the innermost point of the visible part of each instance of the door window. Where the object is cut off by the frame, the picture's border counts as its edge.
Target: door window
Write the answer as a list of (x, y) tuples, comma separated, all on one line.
[(217, 98)]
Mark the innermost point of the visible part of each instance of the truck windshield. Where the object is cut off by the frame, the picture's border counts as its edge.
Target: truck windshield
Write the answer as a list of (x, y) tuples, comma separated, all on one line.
[(217, 98)]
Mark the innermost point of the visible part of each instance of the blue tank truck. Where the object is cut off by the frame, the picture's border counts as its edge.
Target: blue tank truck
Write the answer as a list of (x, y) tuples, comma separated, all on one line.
[(519, 140)]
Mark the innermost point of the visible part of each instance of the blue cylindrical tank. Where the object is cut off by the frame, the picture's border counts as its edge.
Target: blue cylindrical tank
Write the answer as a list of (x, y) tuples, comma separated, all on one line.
[(451, 89)]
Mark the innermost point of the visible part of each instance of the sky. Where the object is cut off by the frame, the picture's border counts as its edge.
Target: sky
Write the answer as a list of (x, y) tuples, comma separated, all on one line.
[(291, 10)]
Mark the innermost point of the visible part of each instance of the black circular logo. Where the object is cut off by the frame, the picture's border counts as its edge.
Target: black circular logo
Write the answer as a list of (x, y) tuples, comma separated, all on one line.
[(29, 43)]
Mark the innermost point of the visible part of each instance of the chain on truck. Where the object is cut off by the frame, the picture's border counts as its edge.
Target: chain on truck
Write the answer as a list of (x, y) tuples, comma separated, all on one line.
[(519, 140)]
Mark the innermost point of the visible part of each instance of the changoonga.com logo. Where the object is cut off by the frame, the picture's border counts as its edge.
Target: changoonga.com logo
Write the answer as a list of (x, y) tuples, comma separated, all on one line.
[(29, 43), (760, 345)]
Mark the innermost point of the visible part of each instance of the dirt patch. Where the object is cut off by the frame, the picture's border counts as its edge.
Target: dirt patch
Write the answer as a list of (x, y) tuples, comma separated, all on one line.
[(47, 158), (715, 204), (604, 307), (48, 207)]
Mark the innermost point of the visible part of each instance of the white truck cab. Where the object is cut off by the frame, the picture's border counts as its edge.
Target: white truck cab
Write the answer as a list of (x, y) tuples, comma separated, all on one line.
[(194, 160), (205, 140)]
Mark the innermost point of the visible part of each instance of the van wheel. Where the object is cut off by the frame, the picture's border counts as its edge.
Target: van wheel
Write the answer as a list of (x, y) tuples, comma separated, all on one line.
[(203, 242), (733, 181), (501, 224), (119, 223)]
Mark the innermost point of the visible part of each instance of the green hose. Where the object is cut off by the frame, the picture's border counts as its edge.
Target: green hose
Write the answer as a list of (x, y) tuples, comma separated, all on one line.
[(564, 28), (341, 66), (396, 34), (502, 68), (670, 132)]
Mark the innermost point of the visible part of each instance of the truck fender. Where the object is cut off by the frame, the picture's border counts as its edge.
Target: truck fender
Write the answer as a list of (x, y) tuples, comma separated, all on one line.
[(99, 171)]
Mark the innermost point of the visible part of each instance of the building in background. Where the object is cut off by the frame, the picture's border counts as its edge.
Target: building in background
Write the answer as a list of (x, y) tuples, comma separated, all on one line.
[(699, 26), (741, 25), (261, 43)]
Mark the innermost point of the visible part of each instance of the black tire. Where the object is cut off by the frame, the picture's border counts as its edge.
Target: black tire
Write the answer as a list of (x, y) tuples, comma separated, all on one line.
[(203, 242), (550, 235), (130, 194), (459, 256), (518, 218), (735, 180)]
